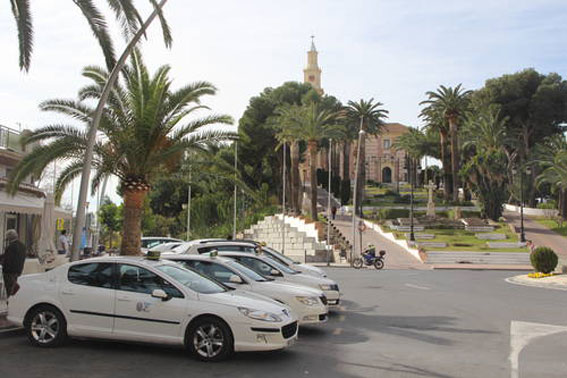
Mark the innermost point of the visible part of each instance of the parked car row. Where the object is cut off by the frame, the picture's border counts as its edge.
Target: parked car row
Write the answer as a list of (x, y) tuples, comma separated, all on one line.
[(213, 302)]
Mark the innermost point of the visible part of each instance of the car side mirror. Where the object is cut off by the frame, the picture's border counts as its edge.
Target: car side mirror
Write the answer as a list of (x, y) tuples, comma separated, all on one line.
[(159, 293), (235, 279), (275, 273)]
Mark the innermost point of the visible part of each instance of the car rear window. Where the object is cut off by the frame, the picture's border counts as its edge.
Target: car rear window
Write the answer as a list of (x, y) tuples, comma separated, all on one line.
[(91, 274)]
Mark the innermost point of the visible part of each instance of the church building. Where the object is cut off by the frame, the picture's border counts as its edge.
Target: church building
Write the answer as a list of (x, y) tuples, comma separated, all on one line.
[(384, 164)]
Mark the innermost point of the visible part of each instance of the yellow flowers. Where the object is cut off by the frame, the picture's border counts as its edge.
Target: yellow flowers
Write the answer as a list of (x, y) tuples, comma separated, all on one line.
[(539, 275)]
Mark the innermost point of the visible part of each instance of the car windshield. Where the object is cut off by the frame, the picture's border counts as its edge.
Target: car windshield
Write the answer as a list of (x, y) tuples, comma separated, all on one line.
[(192, 280), (247, 271), (282, 267), (279, 256)]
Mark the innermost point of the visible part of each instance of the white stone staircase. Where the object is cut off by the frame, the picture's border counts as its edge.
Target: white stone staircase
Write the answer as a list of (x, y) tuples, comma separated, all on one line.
[(492, 258), (300, 245)]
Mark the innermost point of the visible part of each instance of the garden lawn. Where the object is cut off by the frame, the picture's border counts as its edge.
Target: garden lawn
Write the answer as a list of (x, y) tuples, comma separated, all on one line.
[(553, 225), (461, 240)]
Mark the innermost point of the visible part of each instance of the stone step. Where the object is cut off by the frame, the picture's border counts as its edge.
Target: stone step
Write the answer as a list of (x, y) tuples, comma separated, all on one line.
[(498, 258), (491, 236)]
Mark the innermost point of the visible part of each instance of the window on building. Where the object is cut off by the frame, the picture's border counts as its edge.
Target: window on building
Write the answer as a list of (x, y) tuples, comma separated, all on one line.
[(387, 144)]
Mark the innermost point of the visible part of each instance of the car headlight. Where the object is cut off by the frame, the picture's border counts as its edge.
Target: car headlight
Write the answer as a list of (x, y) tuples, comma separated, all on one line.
[(259, 315), (325, 287), (308, 301)]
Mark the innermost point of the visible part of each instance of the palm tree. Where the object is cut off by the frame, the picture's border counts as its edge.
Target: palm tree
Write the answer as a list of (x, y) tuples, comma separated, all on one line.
[(416, 144), (285, 120), (145, 130), (372, 115), (124, 11), (435, 123), (486, 168), (452, 104), (552, 158), (312, 123)]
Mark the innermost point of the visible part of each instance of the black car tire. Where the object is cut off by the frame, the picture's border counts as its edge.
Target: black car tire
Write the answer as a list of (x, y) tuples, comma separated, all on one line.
[(46, 326), (209, 339)]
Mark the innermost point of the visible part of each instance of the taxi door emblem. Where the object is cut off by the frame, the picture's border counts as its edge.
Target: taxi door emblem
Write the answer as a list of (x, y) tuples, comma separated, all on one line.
[(143, 307)]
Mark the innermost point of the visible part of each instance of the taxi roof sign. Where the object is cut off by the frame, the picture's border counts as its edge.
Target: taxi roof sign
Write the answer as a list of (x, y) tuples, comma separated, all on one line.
[(153, 255)]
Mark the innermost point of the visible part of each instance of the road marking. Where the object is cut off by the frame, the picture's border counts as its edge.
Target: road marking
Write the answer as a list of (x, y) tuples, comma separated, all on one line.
[(418, 287), (337, 331), (521, 334)]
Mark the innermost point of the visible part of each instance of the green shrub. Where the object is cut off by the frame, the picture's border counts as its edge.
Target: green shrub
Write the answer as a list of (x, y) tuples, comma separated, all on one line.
[(390, 192), (406, 198), (544, 259), (547, 205), (393, 213)]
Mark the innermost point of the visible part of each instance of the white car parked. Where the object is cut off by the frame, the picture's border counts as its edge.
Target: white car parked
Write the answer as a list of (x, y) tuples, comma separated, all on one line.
[(270, 268), (149, 242), (144, 300), (309, 304), (207, 245)]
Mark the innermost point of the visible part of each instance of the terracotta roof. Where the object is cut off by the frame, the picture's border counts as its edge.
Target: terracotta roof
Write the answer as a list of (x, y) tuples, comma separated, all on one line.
[(395, 127)]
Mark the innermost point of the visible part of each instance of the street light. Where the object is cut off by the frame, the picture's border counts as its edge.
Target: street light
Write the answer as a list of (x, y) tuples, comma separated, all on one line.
[(411, 180), (356, 169), (528, 172)]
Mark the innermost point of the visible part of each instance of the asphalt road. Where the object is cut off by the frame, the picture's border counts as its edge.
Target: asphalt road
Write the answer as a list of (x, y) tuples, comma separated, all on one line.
[(392, 324)]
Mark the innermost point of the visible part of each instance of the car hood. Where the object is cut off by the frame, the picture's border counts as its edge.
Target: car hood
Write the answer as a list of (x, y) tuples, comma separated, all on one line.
[(242, 298), (287, 288), (308, 279), (312, 269)]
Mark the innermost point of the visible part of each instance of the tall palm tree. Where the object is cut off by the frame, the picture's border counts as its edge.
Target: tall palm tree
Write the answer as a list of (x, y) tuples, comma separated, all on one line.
[(435, 123), (416, 144), (551, 156), (145, 129), (372, 115), (285, 121), (452, 104), (312, 123), (124, 11)]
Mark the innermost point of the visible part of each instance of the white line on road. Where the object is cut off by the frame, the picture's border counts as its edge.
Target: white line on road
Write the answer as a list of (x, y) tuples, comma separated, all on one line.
[(521, 334), (418, 287)]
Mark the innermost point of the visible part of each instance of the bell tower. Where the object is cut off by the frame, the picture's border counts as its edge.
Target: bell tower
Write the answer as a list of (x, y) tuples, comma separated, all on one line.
[(312, 72)]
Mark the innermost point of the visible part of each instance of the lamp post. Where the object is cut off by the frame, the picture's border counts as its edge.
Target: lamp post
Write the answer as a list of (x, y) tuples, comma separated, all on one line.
[(235, 179), (329, 208), (283, 199), (356, 168), (528, 172), (411, 180)]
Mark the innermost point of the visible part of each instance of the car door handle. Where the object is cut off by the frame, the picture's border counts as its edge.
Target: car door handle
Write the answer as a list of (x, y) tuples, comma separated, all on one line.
[(67, 292), (123, 299)]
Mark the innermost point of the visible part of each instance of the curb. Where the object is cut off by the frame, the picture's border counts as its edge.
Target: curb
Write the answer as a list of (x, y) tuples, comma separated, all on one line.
[(517, 281), (481, 267)]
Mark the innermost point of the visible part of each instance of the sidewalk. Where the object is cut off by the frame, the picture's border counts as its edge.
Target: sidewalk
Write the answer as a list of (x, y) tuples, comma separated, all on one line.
[(482, 267), (540, 235), (6, 326)]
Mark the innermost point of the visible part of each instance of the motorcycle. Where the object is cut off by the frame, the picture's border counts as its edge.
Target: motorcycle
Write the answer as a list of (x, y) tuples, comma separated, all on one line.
[(369, 258)]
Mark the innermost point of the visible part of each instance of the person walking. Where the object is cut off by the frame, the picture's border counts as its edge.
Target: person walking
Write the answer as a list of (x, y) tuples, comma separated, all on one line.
[(63, 244), (333, 212), (13, 261)]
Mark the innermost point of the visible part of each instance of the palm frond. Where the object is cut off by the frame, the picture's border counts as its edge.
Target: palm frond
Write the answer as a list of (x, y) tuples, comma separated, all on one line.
[(98, 25), (167, 39), (22, 15)]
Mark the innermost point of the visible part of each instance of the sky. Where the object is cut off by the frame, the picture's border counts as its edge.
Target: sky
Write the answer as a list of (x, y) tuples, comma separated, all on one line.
[(391, 50)]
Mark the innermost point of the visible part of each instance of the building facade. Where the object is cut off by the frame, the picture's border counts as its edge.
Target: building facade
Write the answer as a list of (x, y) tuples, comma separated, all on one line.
[(22, 211)]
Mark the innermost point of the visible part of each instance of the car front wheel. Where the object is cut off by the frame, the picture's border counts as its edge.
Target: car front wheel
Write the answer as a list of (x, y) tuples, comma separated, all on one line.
[(46, 326), (209, 339)]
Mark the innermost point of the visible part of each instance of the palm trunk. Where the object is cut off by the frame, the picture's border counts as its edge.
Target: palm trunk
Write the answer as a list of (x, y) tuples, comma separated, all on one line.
[(312, 148), (446, 181), (294, 173), (361, 176), (132, 229), (454, 157), (346, 160)]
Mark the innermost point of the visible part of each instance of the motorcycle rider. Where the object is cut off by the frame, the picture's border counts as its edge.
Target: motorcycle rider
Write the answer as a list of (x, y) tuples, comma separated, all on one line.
[(371, 250)]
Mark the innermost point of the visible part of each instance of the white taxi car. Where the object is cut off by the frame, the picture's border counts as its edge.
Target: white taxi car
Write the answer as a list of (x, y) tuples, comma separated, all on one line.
[(207, 245), (309, 304), (270, 268), (136, 299)]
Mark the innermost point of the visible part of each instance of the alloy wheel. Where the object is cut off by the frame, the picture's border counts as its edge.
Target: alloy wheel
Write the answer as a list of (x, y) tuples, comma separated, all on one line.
[(208, 340), (45, 327)]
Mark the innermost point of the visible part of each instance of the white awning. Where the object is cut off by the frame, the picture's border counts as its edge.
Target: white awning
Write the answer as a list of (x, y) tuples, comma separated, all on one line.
[(24, 204)]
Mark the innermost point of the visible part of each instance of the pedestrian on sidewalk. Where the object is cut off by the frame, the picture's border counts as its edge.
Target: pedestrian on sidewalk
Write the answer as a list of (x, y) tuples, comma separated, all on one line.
[(333, 212), (12, 261), (63, 244), (530, 245)]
